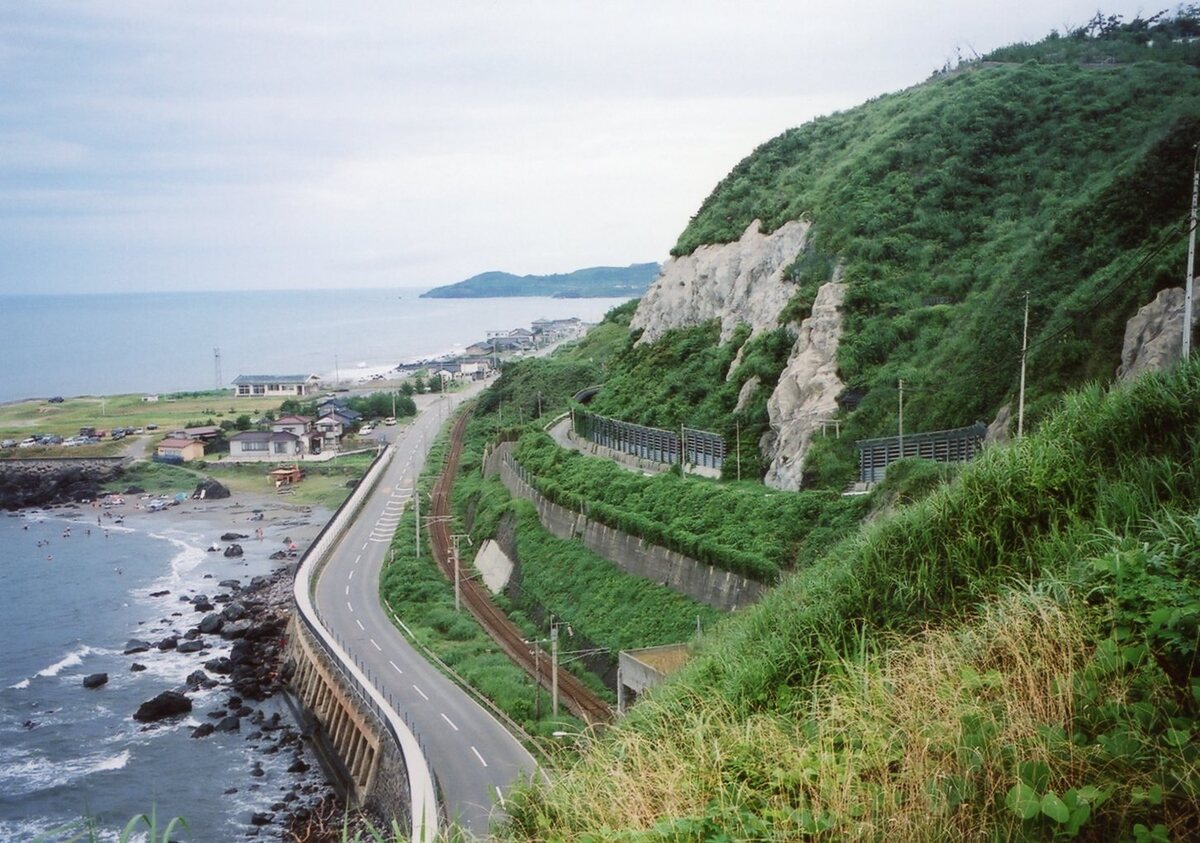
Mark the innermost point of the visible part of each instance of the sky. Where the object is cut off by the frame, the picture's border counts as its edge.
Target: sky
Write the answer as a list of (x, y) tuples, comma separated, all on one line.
[(279, 145)]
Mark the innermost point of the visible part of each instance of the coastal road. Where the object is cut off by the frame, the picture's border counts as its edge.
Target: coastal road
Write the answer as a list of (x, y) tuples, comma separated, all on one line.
[(473, 756)]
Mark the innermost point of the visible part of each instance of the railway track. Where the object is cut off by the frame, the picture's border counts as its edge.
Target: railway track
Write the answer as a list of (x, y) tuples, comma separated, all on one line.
[(574, 695)]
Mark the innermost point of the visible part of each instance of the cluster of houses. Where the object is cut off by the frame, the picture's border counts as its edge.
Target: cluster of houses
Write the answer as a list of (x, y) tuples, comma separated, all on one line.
[(286, 438), (292, 437)]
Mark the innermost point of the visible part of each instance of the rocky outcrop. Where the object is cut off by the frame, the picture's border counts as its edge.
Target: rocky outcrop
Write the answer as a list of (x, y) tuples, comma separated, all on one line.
[(736, 283), (39, 482), (209, 489), (1154, 336), (807, 390), (998, 430), (166, 704)]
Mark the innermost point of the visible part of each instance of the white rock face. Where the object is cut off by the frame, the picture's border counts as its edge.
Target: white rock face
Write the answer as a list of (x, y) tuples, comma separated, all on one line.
[(737, 283), (807, 390), (1154, 336)]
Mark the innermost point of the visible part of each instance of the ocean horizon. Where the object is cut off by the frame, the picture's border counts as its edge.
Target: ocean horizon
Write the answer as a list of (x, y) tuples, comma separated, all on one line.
[(116, 343)]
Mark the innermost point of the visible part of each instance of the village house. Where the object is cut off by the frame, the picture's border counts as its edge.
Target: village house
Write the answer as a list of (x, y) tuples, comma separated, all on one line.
[(265, 445), (301, 426), (256, 386), (203, 433), (177, 449)]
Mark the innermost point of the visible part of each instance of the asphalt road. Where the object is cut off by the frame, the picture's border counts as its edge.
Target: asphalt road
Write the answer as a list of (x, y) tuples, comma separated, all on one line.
[(473, 757)]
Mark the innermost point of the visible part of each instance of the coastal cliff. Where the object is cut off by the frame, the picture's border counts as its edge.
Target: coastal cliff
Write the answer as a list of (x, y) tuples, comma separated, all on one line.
[(39, 482)]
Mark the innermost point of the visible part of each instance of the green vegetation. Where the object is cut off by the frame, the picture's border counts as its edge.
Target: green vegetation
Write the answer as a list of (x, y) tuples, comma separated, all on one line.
[(416, 591), (942, 205), (325, 484), (745, 528), (594, 282), (159, 478), (1011, 657)]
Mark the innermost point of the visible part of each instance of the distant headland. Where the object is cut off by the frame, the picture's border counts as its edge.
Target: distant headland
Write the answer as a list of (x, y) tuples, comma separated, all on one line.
[(593, 282)]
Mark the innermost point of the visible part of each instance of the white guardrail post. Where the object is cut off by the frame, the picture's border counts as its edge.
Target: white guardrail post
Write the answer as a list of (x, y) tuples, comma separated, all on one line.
[(420, 779)]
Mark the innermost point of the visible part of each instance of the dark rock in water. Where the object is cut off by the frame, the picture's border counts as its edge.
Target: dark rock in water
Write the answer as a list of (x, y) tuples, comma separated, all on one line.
[(279, 554), (196, 678), (168, 643), (136, 645), (204, 606), (258, 582), (209, 489), (232, 537), (222, 598), (298, 766), (166, 704), (234, 584), (229, 791), (254, 736), (192, 634), (234, 550), (244, 711), (234, 611), (162, 593), (190, 647), (203, 730), (95, 680), (258, 771), (220, 665), (211, 624), (137, 668), (229, 724), (260, 818)]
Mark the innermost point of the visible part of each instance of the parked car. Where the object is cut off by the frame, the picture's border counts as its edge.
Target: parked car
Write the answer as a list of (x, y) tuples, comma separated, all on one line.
[(8, 443), (366, 430), (57, 399), (389, 421)]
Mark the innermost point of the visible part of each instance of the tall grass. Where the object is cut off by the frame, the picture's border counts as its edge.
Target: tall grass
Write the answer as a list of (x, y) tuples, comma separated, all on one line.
[(1013, 656)]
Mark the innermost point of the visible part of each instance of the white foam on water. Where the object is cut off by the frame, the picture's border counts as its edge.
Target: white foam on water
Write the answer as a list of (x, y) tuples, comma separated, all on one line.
[(20, 686), (72, 659), (186, 560), (26, 772)]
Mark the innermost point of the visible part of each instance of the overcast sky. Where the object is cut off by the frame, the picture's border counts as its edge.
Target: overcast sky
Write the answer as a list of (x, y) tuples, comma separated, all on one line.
[(251, 145)]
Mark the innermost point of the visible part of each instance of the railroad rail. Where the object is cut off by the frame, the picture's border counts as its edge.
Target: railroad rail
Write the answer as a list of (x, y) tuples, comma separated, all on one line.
[(577, 697)]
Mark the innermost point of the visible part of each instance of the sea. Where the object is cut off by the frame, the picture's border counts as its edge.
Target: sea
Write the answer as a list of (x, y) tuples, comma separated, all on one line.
[(68, 605), (116, 343)]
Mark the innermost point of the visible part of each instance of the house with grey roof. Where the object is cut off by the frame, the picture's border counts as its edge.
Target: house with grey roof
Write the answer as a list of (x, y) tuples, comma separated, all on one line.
[(265, 445), (274, 386)]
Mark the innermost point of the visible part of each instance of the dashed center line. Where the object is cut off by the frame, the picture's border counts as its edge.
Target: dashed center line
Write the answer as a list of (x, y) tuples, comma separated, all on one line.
[(500, 795), (361, 628), (347, 591), (422, 693), (448, 720), (377, 647), (364, 547), (393, 664), (348, 606), (352, 572), (480, 757)]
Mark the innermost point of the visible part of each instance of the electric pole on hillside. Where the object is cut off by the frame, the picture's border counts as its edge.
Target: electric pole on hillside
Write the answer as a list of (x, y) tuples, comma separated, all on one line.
[(901, 426), (1024, 350), (217, 367), (1187, 296)]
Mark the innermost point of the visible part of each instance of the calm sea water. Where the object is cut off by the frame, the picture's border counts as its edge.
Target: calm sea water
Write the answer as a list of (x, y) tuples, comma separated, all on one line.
[(158, 342), (67, 751)]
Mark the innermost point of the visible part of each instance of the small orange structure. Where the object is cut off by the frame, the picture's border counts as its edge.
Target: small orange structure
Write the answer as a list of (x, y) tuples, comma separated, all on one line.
[(286, 475)]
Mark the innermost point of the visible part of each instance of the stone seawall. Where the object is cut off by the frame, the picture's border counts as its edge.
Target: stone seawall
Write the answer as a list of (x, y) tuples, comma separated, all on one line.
[(706, 583), (51, 480)]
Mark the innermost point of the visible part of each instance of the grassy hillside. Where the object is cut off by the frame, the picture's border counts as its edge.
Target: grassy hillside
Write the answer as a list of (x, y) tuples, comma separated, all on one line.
[(1013, 657), (947, 202)]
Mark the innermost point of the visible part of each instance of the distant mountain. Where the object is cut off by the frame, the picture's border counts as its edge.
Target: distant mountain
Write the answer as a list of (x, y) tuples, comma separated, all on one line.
[(593, 282)]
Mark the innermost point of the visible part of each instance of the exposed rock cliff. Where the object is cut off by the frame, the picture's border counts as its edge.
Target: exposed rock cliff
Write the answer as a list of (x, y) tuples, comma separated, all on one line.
[(807, 390), (1154, 336), (737, 283), (39, 482)]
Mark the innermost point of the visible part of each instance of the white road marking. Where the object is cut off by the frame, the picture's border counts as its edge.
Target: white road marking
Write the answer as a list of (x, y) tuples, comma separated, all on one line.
[(364, 547), (500, 796), (352, 571), (348, 606), (448, 720), (393, 664), (422, 693), (377, 647), (480, 757), (347, 591), (361, 628)]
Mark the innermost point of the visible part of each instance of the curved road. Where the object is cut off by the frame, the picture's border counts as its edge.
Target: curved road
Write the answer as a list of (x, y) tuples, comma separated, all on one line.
[(473, 756)]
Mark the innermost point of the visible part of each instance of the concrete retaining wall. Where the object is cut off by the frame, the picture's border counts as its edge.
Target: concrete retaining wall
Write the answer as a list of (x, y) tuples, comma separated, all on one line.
[(706, 583)]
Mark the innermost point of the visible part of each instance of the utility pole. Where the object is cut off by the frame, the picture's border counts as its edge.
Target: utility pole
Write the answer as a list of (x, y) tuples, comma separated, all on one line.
[(554, 668), (1024, 350), (738, 428), (901, 418), (1187, 297)]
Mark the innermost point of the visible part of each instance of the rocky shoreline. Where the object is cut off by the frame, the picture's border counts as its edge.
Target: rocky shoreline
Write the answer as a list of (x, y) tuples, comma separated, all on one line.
[(254, 618)]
